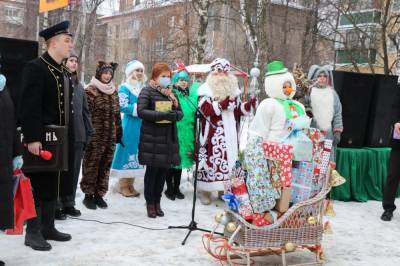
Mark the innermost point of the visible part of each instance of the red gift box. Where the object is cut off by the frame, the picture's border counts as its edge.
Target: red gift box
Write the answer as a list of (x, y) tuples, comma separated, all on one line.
[(284, 154)]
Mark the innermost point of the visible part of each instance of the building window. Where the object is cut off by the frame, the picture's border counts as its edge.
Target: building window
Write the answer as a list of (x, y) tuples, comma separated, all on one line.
[(356, 56), (13, 15), (362, 17)]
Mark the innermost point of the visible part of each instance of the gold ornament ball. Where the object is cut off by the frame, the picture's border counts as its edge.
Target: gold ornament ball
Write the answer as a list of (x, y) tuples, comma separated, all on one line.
[(289, 247), (231, 227), (311, 220), (218, 217)]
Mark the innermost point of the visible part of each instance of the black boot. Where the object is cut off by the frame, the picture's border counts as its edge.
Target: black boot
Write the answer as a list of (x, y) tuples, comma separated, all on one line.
[(89, 202), (169, 193), (387, 216), (49, 232), (72, 211), (177, 182), (60, 214), (34, 237), (100, 201)]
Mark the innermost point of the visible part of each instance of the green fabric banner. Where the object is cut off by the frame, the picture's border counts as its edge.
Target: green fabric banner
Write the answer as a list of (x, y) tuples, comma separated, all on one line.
[(365, 171)]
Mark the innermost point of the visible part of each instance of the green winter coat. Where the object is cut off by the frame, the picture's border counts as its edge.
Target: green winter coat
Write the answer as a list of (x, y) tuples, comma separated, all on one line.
[(186, 125)]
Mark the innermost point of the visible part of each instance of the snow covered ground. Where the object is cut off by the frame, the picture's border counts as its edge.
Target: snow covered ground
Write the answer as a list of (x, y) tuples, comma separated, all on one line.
[(359, 237)]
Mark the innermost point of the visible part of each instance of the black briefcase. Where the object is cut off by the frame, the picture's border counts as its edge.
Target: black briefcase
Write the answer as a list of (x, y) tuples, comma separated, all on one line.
[(55, 140)]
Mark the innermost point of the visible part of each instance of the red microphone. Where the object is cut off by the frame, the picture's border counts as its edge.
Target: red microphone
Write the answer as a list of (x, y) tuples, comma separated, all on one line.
[(45, 155)]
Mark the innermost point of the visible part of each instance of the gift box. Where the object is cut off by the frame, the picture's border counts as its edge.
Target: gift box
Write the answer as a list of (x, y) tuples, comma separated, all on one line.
[(301, 143), (282, 204), (262, 192), (321, 168), (280, 152), (302, 181), (317, 141), (239, 190)]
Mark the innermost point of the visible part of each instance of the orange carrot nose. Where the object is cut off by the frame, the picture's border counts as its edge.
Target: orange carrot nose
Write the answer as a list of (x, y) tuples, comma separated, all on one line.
[(290, 90)]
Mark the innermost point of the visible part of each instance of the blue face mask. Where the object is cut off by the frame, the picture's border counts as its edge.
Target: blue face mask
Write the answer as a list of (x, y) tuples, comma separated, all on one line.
[(2, 82), (165, 82)]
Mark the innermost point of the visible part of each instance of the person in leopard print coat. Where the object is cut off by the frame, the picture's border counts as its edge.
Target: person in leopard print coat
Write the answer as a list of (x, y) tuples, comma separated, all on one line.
[(103, 102)]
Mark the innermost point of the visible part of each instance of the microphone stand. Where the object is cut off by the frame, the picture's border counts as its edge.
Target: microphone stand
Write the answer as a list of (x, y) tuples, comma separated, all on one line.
[(193, 224)]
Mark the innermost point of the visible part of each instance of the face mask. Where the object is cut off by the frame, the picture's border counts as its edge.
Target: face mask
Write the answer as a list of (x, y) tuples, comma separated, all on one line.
[(2, 82), (165, 82)]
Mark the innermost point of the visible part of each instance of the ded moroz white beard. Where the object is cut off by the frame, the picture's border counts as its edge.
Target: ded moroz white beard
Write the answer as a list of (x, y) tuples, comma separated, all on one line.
[(222, 86)]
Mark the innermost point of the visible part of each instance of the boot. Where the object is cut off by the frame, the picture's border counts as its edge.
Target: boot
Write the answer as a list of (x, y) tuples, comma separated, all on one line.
[(159, 212), (205, 197), (89, 202), (124, 187), (169, 193), (34, 237), (151, 210), (178, 194), (49, 232), (60, 214), (72, 211), (100, 201), (134, 192)]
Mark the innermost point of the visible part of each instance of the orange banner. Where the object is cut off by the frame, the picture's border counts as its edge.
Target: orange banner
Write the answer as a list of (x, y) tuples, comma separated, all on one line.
[(47, 5)]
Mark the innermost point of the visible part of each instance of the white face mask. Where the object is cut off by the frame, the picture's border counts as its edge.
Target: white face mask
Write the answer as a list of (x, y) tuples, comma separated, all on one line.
[(2, 82)]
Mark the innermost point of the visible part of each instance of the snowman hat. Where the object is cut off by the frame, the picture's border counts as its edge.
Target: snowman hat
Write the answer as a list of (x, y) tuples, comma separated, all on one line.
[(276, 75), (131, 66)]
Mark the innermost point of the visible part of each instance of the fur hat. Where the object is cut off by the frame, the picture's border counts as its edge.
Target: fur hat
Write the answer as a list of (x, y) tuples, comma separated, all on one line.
[(220, 64), (275, 77), (131, 66), (103, 67)]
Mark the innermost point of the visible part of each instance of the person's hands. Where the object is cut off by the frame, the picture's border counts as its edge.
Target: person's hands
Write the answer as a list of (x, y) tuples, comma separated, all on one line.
[(17, 162), (171, 116), (336, 138), (397, 128), (253, 102), (224, 103), (35, 147)]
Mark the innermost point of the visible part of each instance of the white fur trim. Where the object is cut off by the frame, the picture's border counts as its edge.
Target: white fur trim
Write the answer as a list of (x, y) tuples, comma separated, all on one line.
[(135, 90), (137, 173), (131, 66), (274, 85), (134, 113), (243, 109), (210, 186), (216, 108), (231, 137), (322, 102), (205, 90)]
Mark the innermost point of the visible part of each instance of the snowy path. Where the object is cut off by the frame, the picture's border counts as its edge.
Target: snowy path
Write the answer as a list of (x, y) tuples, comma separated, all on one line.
[(359, 237)]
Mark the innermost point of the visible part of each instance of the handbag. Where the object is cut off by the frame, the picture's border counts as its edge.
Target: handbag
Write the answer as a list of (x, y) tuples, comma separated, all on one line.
[(54, 140), (24, 205)]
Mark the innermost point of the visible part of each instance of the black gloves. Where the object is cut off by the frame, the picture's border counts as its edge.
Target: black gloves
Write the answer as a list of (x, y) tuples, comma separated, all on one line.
[(336, 138)]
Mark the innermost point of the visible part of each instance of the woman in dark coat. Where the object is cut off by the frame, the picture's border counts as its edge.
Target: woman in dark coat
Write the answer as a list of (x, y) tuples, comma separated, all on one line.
[(10, 158), (158, 149)]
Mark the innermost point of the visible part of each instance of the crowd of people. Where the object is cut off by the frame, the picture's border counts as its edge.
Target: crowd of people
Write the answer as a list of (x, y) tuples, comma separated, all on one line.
[(155, 138)]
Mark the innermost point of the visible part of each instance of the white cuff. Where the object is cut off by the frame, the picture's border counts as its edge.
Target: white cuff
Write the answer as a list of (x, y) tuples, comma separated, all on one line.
[(216, 108), (243, 109), (134, 112)]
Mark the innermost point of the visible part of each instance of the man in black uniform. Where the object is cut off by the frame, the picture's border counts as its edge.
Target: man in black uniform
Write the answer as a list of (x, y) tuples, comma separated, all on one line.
[(393, 177), (43, 104)]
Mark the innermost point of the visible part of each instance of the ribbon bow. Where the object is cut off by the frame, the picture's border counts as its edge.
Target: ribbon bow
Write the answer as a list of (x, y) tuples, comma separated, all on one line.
[(232, 201)]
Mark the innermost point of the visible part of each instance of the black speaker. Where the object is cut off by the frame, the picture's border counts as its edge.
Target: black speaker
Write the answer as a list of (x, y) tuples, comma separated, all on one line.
[(355, 93), (14, 54), (384, 96)]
